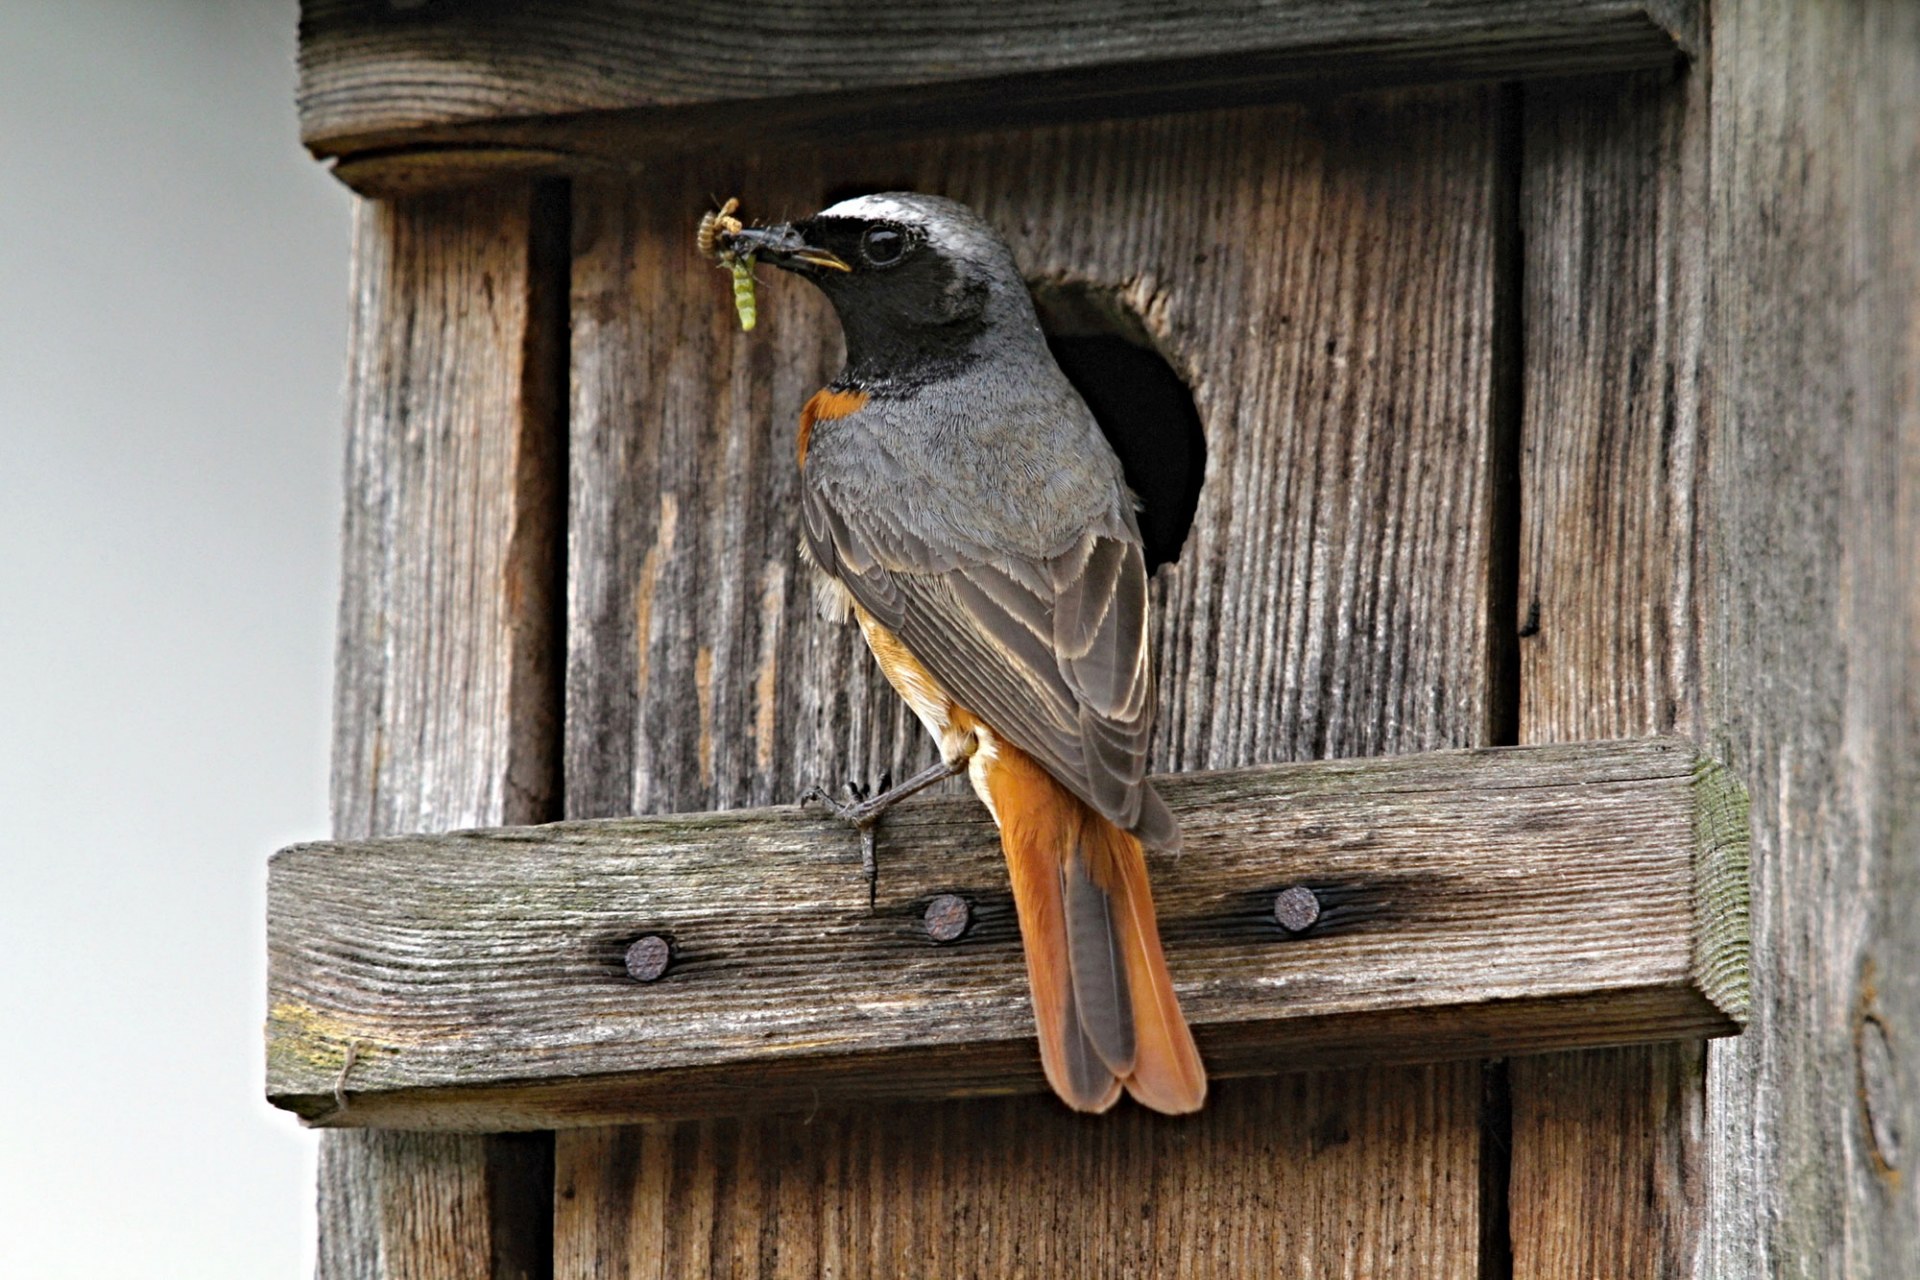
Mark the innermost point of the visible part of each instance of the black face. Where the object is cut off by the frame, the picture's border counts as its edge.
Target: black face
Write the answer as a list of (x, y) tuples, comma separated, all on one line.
[(910, 311), (853, 242)]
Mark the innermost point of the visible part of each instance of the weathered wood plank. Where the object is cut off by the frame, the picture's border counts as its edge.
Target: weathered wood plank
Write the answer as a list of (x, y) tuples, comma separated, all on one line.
[(1325, 279), (965, 1191), (1475, 902), (1479, 902), (446, 680), (1613, 202), (1815, 457), (431, 1205), (446, 690), (421, 94), (1608, 1171)]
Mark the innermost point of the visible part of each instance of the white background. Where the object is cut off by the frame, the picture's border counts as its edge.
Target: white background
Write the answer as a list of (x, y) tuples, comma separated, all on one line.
[(172, 329)]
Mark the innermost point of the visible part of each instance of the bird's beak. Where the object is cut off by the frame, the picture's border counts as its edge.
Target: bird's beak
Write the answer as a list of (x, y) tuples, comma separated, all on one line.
[(784, 246)]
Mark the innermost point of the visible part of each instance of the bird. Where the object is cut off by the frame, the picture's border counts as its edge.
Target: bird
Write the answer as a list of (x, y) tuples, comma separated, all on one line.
[(959, 502)]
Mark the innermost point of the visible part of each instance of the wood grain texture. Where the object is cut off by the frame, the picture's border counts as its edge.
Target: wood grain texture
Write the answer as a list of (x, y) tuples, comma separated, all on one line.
[(1472, 903), (972, 1190), (1325, 279), (1815, 339), (446, 670), (1611, 558), (394, 1203), (1322, 280), (408, 94), (1609, 1173), (446, 685)]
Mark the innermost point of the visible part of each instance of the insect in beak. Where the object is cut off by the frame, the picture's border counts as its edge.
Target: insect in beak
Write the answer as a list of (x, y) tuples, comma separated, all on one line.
[(783, 245), (735, 246)]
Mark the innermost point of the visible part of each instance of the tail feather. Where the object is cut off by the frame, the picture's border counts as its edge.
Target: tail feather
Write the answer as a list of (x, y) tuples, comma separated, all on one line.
[(1167, 1073), (1072, 1062), (1096, 957), (1102, 999)]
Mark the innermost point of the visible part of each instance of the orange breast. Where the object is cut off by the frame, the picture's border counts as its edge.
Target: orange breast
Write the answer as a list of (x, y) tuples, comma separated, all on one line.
[(826, 405)]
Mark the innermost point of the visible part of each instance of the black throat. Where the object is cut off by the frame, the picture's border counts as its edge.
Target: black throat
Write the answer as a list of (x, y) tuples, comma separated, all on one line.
[(885, 358)]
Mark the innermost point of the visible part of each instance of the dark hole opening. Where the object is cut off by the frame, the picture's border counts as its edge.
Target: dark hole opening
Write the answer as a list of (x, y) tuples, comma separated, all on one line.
[(1142, 405)]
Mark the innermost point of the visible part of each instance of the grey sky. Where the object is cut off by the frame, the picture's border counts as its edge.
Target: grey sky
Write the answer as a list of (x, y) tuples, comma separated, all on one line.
[(172, 321)]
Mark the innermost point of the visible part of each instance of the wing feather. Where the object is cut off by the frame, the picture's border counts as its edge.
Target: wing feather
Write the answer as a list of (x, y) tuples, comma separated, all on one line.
[(1051, 652)]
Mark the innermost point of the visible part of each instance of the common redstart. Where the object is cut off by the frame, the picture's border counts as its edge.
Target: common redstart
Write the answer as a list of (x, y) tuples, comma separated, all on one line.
[(963, 506)]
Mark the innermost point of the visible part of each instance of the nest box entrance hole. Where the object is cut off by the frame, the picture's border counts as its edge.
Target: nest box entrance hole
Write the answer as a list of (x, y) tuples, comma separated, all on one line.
[(1143, 405)]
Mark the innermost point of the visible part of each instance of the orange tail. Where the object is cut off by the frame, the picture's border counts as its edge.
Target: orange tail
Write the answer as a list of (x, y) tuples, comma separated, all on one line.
[(1101, 996)]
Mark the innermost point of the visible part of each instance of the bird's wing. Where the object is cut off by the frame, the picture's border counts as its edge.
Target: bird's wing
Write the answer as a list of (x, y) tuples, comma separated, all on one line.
[(1052, 653)]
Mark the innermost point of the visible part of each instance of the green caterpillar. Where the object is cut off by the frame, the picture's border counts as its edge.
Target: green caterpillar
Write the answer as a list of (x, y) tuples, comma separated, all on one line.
[(712, 226), (743, 299)]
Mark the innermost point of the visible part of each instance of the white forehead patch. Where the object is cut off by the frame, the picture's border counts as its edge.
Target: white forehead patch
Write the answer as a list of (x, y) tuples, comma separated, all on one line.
[(874, 207), (955, 229)]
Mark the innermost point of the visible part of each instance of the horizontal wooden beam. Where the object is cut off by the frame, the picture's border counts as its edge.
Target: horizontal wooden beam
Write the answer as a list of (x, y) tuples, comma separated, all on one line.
[(405, 96), (1469, 903)]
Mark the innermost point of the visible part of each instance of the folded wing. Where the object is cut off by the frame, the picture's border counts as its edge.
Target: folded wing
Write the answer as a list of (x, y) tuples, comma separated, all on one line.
[(1052, 653)]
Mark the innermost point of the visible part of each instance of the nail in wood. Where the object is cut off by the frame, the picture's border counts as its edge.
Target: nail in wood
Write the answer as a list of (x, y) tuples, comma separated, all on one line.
[(948, 916), (648, 957), (1296, 908)]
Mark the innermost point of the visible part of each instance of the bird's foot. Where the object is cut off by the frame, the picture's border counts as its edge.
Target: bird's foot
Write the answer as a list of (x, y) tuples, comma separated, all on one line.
[(857, 804), (864, 806), (861, 809)]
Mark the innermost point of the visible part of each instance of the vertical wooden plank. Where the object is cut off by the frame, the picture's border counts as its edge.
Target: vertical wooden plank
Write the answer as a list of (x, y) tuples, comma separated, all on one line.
[(1613, 208), (1607, 1168), (1815, 258), (1325, 279), (1282, 1177), (447, 681), (435, 1204)]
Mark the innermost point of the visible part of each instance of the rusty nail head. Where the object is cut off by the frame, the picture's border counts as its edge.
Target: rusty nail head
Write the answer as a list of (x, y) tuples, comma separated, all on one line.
[(1296, 908), (947, 917), (648, 957)]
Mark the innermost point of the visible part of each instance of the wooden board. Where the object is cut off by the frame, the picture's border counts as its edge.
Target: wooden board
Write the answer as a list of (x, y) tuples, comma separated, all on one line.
[(1611, 561), (435, 1205), (1609, 1175), (446, 686), (1326, 279), (1608, 1171), (1472, 903), (1815, 429), (427, 93), (1330, 600), (980, 1190)]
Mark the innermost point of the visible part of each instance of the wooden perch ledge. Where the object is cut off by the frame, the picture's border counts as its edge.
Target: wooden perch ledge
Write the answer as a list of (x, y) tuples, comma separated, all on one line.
[(1470, 903)]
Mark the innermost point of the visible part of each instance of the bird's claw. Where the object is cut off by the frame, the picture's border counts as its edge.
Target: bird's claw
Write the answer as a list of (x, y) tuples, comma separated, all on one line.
[(859, 808), (860, 811)]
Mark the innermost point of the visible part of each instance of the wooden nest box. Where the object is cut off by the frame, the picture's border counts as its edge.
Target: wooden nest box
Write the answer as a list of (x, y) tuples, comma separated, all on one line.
[(1478, 364)]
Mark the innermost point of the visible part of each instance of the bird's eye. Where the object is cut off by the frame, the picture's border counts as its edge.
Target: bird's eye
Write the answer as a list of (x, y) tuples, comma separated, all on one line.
[(883, 246)]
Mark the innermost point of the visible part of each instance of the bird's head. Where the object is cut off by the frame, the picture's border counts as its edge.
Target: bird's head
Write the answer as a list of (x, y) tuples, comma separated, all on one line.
[(921, 283)]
